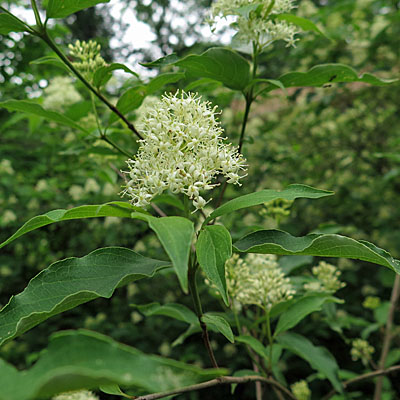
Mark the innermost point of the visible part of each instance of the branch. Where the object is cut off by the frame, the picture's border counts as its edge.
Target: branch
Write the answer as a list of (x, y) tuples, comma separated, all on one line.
[(388, 335), (46, 38), (369, 375), (224, 380)]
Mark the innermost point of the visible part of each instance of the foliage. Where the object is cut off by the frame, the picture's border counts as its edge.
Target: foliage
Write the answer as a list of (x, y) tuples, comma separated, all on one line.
[(269, 319)]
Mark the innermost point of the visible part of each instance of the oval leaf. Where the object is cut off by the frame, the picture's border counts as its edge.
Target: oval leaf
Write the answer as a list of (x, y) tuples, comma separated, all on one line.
[(35, 109), (172, 310), (292, 192), (9, 23), (104, 74), (319, 358), (299, 310), (218, 324), (303, 23), (87, 360), (255, 344), (221, 64), (63, 8), (160, 81), (129, 101), (329, 73), (51, 60), (175, 235), (323, 245), (71, 282), (213, 248), (113, 209)]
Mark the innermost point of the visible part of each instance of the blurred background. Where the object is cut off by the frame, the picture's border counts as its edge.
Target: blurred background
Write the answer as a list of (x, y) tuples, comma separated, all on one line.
[(344, 138)]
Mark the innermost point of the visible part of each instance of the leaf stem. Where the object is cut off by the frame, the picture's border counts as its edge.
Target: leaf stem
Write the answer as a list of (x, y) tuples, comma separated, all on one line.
[(270, 339), (37, 15), (103, 136), (49, 41), (199, 311), (249, 98), (223, 380), (28, 28)]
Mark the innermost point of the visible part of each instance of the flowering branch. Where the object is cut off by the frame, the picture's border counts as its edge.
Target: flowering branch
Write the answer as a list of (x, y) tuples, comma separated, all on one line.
[(224, 380), (42, 34)]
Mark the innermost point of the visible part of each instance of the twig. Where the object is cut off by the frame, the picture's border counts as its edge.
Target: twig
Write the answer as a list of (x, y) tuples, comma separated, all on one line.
[(46, 38), (207, 343), (364, 377), (388, 335), (158, 210), (224, 380)]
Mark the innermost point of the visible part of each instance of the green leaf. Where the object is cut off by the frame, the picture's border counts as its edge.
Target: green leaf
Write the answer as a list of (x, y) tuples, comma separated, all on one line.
[(202, 84), (322, 245), (35, 109), (113, 389), (255, 344), (191, 330), (129, 101), (319, 358), (9, 23), (161, 62), (218, 324), (172, 310), (303, 23), (113, 209), (104, 74), (71, 282), (175, 234), (246, 10), (320, 75), (63, 8), (160, 81), (51, 60), (274, 82), (289, 264), (169, 199), (87, 360), (292, 192), (299, 310), (221, 64), (214, 247)]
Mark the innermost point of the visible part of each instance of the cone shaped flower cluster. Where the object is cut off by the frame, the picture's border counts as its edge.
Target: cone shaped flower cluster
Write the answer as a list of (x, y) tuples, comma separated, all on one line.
[(182, 151), (257, 279), (88, 54), (255, 20)]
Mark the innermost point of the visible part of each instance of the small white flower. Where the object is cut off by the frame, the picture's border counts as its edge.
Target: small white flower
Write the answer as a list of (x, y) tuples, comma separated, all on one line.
[(60, 94), (182, 151), (257, 279), (327, 278), (79, 395), (258, 27)]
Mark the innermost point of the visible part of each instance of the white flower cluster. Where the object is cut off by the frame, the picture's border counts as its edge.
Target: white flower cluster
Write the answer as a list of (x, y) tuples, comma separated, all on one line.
[(182, 151), (88, 54), (80, 395), (60, 93), (257, 279), (301, 390), (327, 278), (256, 26)]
